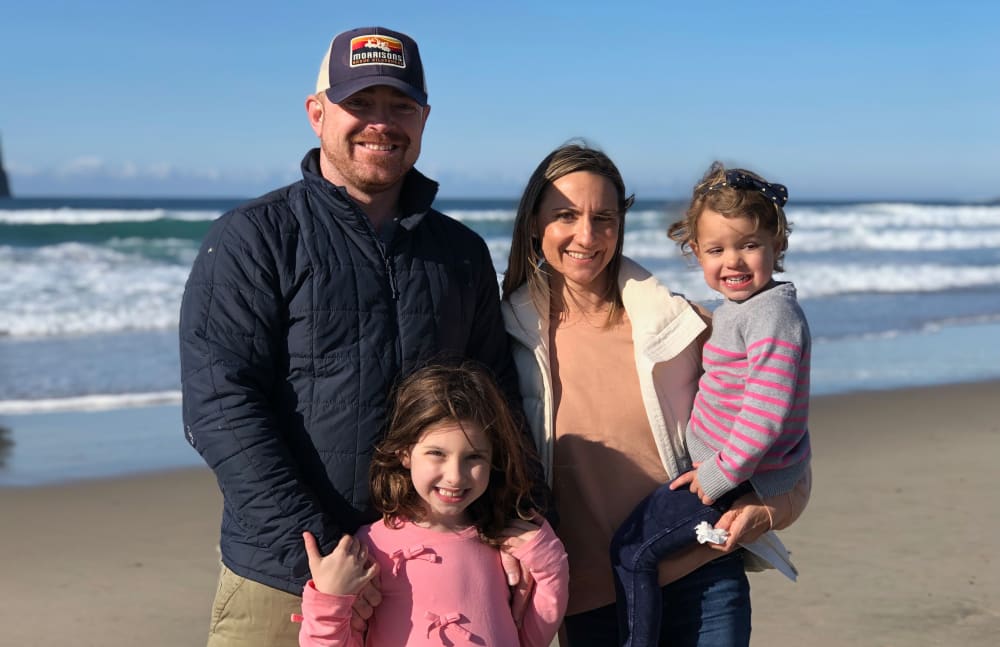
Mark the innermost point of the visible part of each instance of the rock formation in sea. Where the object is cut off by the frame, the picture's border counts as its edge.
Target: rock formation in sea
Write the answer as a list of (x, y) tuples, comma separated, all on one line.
[(4, 185)]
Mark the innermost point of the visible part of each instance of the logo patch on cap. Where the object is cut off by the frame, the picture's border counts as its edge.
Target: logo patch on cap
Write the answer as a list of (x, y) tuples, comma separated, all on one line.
[(377, 50)]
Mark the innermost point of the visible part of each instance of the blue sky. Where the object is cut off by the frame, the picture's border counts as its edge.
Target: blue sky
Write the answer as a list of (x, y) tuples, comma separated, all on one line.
[(837, 100)]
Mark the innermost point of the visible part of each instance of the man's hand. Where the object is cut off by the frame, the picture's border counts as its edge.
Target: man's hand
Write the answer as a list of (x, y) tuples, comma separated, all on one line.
[(517, 533), (521, 582), (364, 604)]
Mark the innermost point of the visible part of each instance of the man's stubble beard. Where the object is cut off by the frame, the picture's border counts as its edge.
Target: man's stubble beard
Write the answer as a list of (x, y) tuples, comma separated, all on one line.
[(369, 178)]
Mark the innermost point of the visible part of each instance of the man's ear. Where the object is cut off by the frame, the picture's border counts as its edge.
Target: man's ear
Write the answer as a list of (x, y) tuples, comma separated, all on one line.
[(314, 109)]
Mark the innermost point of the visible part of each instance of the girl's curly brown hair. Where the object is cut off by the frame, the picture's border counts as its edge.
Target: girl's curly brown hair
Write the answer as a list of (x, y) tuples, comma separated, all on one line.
[(463, 392)]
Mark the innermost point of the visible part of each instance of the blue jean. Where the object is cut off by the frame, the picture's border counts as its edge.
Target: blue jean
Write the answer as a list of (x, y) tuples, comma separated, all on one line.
[(662, 524), (707, 608)]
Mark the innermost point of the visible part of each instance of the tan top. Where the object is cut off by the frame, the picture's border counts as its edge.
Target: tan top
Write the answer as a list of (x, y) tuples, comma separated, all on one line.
[(605, 459)]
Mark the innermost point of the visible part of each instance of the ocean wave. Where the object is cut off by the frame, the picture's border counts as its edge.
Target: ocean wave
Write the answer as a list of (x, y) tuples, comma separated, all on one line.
[(130, 277), (97, 402), (73, 289), (897, 215), (819, 281), (482, 215), (147, 298), (655, 244), (68, 216)]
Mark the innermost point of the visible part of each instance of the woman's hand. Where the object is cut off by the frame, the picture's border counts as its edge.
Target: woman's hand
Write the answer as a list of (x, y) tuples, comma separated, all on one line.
[(745, 521)]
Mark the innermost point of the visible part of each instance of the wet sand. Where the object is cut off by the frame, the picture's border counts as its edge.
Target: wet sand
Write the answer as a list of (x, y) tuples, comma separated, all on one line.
[(897, 547)]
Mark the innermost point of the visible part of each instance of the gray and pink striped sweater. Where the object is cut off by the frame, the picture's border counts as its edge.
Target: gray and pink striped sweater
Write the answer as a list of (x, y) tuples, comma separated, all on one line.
[(751, 416)]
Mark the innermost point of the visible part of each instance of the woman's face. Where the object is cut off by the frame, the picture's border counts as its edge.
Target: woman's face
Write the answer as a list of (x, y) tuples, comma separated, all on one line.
[(578, 223)]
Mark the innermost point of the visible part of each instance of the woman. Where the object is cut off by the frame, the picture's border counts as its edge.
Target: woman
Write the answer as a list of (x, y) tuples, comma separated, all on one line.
[(608, 361)]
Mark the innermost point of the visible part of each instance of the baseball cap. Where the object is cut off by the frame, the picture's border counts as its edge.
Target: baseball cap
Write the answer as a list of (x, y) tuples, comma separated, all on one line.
[(367, 56)]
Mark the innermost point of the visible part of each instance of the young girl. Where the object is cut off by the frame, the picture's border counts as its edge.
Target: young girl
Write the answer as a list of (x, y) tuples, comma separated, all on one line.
[(446, 476), (748, 428)]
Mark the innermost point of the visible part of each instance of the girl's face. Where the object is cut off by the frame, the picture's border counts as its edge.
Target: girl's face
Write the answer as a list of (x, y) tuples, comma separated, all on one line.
[(578, 223), (736, 259), (450, 468)]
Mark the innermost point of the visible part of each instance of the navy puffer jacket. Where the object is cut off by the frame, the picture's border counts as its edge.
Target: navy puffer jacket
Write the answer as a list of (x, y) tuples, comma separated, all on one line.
[(295, 323)]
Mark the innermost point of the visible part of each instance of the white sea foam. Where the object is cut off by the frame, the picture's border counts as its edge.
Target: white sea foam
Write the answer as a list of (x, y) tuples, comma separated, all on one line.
[(99, 402), (823, 280), (895, 215), (655, 244), (67, 216), (136, 283), (481, 215), (638, 217), (72, 288)]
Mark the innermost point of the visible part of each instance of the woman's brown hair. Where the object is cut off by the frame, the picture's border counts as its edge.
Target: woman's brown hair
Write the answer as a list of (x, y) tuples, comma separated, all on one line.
[(526, 263)]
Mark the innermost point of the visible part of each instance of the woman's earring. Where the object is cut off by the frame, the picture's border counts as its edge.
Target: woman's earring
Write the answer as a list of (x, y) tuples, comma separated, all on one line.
[(536, 246)]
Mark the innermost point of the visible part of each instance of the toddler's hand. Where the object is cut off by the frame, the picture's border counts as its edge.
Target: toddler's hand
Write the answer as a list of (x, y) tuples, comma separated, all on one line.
[(691, 480), (343, 571)]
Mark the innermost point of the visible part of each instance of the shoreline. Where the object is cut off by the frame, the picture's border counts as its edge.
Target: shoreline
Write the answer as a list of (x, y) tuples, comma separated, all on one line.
[(67, 446), (890, 551), (60, 447)]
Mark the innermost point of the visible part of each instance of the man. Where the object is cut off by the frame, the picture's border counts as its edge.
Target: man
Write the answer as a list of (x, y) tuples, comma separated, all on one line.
[(303, 308)]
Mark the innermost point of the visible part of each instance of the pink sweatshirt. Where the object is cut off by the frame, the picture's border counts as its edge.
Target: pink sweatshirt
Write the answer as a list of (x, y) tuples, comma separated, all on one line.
[(443, 589)]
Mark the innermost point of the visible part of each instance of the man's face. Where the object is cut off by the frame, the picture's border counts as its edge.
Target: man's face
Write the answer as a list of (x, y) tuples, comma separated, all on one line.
[(370, 140)]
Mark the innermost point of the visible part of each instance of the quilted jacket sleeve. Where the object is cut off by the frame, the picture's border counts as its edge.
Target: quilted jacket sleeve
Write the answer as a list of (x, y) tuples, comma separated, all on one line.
[(231, 327)]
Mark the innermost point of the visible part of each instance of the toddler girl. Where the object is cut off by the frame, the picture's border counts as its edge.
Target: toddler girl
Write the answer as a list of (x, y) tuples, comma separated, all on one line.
[(748, 429)]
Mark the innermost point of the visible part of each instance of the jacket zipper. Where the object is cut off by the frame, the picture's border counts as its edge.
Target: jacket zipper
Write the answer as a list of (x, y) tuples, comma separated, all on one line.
[(390, 274)]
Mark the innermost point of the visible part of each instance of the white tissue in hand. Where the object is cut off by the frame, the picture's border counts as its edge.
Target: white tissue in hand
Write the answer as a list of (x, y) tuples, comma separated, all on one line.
[(706, 534)]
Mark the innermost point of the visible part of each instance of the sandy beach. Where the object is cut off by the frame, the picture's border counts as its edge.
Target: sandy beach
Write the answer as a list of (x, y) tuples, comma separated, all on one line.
[(896, 548)]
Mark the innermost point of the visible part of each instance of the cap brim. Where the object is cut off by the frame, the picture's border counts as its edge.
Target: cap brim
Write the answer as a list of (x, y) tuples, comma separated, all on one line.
[(346, 89)]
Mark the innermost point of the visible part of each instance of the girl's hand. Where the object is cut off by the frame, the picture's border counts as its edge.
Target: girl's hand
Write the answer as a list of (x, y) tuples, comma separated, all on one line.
[(344, 571), (691, 480)]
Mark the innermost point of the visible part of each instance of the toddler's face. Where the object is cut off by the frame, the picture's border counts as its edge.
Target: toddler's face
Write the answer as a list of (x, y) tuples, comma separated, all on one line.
[(736, 259)]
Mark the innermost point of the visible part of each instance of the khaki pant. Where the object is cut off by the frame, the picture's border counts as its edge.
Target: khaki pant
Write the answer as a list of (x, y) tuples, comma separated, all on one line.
[(250, 614)]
